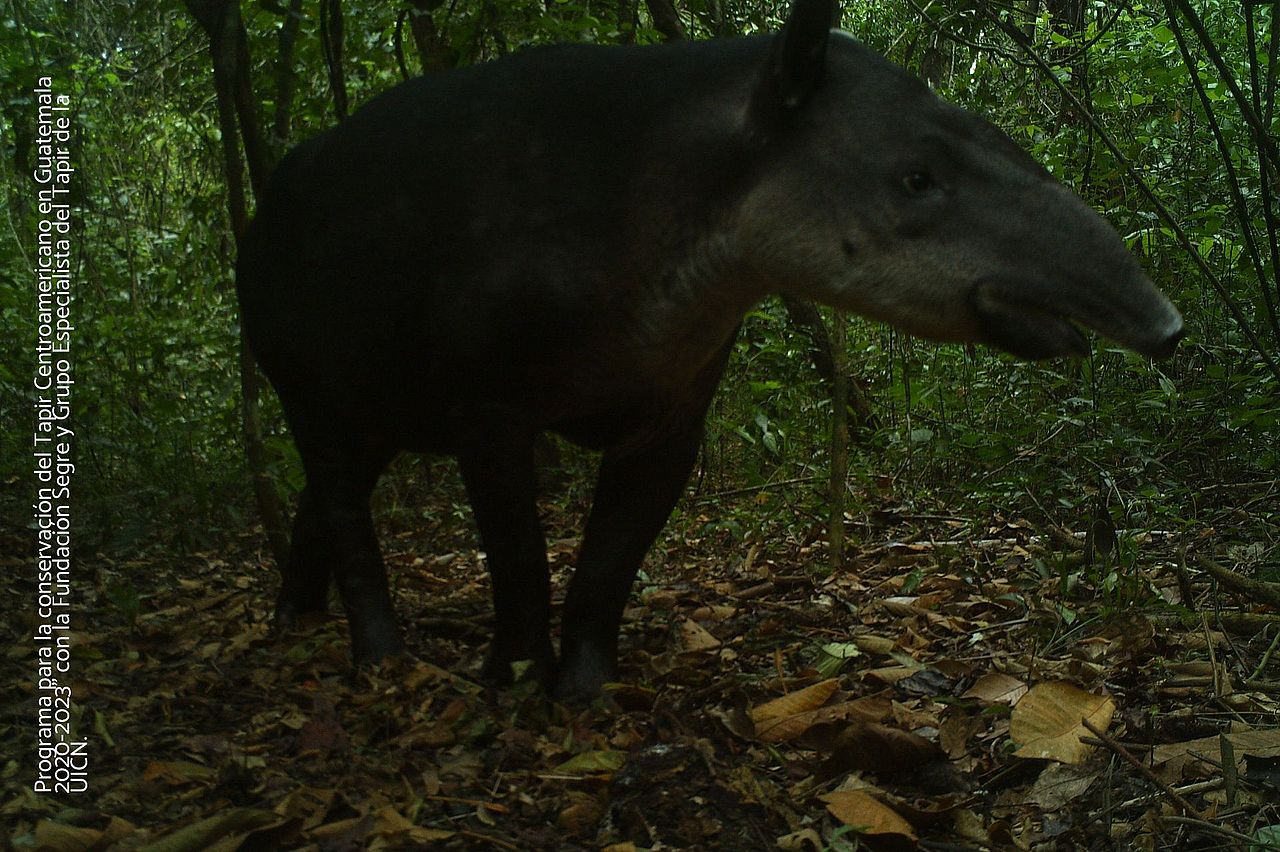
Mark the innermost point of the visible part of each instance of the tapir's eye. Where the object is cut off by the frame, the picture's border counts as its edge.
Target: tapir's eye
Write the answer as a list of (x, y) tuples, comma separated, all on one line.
[(916, 183)]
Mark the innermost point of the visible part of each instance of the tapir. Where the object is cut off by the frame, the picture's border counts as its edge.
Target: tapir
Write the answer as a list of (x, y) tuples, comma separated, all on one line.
[(567, 239)]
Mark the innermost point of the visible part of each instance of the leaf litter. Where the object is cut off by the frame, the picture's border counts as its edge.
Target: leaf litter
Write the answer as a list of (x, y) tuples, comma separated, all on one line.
[(942, 691)]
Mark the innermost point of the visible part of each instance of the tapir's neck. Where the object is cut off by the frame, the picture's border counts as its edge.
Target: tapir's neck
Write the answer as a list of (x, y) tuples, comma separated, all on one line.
[(685, 239), (687, 315)]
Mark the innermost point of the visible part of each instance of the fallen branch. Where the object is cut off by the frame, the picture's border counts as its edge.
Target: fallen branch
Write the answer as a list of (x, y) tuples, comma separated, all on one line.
[(1256, 590), (1171, 794)]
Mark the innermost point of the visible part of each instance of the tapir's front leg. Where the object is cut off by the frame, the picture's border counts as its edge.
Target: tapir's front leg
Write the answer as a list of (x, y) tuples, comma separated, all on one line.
[(634, 497), (499, 474)]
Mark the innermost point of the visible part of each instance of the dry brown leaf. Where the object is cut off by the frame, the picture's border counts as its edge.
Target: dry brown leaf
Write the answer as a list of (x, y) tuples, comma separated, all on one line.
[(868, 816), (388, 819), (997, 688), (955, 731), (901, 606), (931, 811), (178, 772), (882, 750), (1059, 785), (954, 669), (890, 674), (783, 719), (914, 715), (432, 734), (785, 729), (713, 612), (594, 761), (693, 637), (1253, 743), (800, 841), (59, 837), (969, 825), (870, 644), (801, 701), (309, 805), (323, 734), (331, 831), (392, 830), (224, 830), (870, 708), (581, 816), (1046, 722)]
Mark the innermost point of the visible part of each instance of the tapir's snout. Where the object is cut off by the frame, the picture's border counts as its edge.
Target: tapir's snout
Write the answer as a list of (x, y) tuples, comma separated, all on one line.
[(1041, 321), (1165, 340)]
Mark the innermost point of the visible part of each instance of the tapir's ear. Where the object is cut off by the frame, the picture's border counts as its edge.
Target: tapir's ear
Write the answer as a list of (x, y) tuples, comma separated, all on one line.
[(796, 64)]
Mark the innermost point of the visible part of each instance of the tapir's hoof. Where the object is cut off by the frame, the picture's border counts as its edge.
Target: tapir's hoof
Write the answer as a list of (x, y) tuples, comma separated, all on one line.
[(288, 614), (374, 641), (583, 676), (501, 671)]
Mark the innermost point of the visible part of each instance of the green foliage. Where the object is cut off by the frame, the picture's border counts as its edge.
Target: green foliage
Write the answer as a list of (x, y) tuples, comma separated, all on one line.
[(155, 400)]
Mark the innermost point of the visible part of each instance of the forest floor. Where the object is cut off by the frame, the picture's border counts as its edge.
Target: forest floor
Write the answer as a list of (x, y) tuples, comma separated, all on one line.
[(959, 684)]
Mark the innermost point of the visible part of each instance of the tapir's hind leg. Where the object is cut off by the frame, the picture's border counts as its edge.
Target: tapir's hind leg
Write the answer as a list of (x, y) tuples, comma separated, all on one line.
[(501, 485), (305, 578), (634, 497), (333, 535)]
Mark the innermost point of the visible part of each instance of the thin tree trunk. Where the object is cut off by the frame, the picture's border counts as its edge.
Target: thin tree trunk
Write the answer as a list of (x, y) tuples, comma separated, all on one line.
[(285, 78), (805, 317), (666, 19), (839, 443), (331, 43), (220, 20), (433, 51)]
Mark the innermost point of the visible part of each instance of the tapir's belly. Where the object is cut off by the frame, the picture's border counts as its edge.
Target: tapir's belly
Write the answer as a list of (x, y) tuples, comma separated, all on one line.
[(440, 390)]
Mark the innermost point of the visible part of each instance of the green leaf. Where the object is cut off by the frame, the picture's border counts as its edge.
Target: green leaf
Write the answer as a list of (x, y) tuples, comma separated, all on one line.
[(834, 656)]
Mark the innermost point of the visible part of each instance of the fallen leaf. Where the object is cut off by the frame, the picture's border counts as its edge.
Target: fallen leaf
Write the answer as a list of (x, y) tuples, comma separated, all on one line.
[(955, 731), (582, 814), (997, 688), (1046, 722), (866, 814), (881, 750), (58, 837), (594, 761), (1058, 785), (800, 841), (178, 772), (1263, 743), (890, 674), (223, 830), (693, 637), (875, 644), (800, 701), (786, 718)]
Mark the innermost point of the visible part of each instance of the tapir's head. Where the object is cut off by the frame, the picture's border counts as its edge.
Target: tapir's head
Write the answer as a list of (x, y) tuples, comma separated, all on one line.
[(876, 196)]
